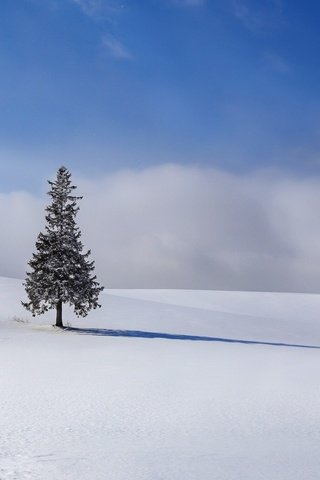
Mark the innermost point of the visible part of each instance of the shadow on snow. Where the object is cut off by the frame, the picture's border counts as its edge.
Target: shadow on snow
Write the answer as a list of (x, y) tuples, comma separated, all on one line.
[(102, 332)]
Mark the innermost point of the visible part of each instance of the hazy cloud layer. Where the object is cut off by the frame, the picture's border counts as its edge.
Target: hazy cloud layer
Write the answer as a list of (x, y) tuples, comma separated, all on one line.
[(183, 227)]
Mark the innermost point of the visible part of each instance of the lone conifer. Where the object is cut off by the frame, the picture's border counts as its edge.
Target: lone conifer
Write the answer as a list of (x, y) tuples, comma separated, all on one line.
[(60, 272)]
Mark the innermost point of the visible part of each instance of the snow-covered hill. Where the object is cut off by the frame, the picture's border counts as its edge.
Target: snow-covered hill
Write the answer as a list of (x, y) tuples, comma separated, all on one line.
[(162, 385)]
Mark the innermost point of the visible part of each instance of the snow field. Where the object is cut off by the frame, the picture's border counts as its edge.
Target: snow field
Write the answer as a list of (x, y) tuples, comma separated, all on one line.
[(78, 406)]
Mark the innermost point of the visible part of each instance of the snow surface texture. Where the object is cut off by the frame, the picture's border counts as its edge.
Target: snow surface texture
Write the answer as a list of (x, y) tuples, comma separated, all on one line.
[(150, 388)]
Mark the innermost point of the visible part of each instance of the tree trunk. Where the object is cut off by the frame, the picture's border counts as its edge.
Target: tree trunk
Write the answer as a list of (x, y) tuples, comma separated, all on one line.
[(59, 315)]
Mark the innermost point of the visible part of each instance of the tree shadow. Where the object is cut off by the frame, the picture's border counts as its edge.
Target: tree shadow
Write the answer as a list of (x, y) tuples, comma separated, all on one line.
[(103, 332)]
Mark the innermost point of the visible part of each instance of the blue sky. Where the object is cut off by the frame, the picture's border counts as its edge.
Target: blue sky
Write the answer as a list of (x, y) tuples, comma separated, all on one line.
[(191, 128), (102, 85)]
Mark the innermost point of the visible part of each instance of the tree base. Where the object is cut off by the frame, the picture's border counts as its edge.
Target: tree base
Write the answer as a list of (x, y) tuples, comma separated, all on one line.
[(59, 322)]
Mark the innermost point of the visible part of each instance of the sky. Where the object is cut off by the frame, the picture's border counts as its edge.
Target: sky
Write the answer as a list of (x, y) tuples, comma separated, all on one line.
[(191, 127)]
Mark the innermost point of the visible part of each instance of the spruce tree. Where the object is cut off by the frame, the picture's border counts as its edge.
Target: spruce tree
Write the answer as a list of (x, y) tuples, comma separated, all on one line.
[(60, 271)]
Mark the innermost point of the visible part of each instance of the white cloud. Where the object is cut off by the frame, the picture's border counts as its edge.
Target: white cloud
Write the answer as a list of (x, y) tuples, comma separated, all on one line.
[(115, 48), (277, 63), (97, 8), (267, 15), (184, 227), (188, 3), (22, 217)]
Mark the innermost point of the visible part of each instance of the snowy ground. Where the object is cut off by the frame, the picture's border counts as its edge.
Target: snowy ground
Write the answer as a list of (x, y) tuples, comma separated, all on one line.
[(123, 403)]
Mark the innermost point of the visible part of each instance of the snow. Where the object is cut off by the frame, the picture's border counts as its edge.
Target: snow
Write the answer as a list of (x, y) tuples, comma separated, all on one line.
[(119, 402)]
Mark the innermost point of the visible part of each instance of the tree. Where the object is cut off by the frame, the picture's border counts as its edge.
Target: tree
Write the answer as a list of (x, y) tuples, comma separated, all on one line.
[(60, 271)]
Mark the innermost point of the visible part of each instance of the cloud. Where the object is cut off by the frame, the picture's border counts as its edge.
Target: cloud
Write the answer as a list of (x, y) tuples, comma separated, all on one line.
[(99, 8), (188, 3), (115, 48), (102, 9), (277, 63), (267, 15), (184, 227), (26, 219)]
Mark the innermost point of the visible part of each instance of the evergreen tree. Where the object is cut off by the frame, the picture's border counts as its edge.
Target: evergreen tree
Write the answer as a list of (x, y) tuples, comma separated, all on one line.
[(60, 271)]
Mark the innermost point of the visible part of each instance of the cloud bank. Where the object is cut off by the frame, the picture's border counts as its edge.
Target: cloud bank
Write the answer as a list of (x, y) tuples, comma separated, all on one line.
[(184, 227)]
